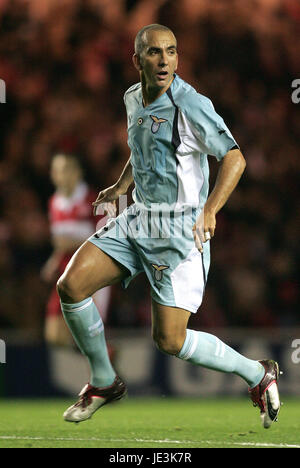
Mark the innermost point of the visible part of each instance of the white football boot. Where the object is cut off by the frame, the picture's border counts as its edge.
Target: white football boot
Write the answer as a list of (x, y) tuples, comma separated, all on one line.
[(266, 394), (93, 398)]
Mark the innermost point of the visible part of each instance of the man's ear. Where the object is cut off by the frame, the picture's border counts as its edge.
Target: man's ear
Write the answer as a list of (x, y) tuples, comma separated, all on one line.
[(137, 62)]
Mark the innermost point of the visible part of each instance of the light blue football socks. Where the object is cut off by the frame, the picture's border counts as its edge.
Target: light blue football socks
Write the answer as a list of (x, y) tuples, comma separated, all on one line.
[(200, 348), (87, 328), (209, 351)]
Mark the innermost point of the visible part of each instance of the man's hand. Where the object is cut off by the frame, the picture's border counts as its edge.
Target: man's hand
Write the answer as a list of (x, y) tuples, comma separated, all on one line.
[(107, 198), (204, 228), (49, 272)]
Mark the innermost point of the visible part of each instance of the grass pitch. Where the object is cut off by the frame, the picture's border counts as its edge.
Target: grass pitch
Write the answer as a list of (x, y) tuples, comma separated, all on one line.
[(155, 423)]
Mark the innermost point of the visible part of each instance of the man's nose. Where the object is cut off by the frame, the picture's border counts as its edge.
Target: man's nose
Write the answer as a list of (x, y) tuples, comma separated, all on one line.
[(163, 59)]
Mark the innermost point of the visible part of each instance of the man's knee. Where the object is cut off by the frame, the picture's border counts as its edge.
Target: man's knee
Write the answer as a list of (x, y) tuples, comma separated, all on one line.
[(169, 343), (68, 290)]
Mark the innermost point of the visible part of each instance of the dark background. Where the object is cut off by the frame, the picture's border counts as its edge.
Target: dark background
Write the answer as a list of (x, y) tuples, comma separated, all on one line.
[(67, 64)]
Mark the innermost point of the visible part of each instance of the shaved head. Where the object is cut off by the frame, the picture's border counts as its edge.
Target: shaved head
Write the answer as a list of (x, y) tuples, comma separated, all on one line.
[(140, 39)]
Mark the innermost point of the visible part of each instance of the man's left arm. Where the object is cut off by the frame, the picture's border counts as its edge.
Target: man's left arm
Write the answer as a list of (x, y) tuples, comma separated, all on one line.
[(229, 174)]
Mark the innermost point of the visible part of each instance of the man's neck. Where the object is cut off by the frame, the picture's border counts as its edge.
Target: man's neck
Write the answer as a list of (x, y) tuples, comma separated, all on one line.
[(151, 94), (68, 192)]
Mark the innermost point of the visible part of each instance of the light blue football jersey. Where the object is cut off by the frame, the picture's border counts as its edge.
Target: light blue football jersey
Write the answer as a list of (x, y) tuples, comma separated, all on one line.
[(170, 140)]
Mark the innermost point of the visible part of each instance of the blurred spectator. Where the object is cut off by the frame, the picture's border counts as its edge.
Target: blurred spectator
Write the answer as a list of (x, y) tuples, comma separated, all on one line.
[(67, 64), (71, 223)]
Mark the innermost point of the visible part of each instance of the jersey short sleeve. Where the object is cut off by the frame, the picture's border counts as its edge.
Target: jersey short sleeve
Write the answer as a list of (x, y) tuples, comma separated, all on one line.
[(209, 128)]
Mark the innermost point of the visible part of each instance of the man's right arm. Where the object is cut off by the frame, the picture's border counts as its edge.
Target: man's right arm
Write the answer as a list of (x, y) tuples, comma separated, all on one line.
[(111, 194), (125, 179)]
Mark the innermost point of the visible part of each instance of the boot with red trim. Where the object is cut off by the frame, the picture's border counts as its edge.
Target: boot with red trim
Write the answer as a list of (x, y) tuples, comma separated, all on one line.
[(93, 398), (266, 395)]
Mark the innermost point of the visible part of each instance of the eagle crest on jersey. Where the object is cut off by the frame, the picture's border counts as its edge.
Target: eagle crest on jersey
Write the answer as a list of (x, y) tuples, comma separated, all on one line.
[(158, 269), (156, 123)]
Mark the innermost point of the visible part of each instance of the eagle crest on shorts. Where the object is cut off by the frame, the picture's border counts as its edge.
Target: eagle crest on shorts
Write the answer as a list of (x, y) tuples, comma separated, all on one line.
[(156, 123), (158, 271)]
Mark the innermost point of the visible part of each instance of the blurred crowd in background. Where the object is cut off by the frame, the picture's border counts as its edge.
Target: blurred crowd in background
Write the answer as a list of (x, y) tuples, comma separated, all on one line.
[(67, 64)]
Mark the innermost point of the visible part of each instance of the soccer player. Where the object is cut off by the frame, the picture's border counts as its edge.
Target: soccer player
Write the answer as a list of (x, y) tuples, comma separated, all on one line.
[(71, 222), (164, 233)]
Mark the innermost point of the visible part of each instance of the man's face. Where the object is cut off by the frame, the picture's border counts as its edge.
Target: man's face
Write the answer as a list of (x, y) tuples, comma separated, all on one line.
[(158, 60), (65, 174)]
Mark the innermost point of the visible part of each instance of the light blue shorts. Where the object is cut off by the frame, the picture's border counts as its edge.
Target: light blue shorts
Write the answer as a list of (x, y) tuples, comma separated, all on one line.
[(162, 246)]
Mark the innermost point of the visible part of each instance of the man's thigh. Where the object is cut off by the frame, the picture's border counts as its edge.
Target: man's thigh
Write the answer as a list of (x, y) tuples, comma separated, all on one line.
[(89, 270)]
